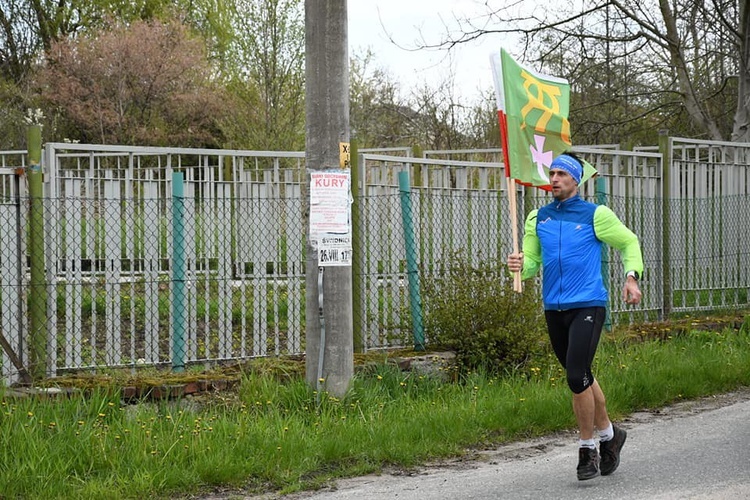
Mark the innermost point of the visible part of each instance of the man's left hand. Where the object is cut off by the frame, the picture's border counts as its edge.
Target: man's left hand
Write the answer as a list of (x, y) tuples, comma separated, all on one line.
[(631, 294)]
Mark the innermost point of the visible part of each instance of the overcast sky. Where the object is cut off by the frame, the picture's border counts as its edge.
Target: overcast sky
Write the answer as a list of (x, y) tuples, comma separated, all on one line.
[(371, 22)]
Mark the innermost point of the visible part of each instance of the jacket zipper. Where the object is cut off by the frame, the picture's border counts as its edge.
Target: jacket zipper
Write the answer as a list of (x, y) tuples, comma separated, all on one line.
[(559, 255)]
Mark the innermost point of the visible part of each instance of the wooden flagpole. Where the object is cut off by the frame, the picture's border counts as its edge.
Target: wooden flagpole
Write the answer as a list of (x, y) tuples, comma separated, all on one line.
[(517, 284), (511, 182)]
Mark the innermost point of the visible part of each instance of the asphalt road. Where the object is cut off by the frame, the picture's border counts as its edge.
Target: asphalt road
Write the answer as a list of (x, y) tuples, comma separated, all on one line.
[(694, 450)]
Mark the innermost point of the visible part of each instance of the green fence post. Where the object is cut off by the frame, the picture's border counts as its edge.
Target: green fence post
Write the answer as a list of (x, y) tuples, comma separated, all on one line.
[(37, 286), (415, 300), (179, 308), (601, 199)]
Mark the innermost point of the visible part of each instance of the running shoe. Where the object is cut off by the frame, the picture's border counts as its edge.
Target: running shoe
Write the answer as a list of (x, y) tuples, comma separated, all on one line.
[(610, 451), (588, 463)]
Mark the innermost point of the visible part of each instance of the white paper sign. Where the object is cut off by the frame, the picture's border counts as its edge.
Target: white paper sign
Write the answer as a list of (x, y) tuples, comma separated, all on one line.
[(329, 203), (330, 228), (335, 250)]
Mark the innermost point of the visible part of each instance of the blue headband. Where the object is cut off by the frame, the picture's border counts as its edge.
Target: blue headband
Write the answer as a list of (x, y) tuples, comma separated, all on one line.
[(568, 164)]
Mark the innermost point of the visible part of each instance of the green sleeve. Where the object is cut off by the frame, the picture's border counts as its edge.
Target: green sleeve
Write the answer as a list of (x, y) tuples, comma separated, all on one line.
[(613, 232), (532, 250)]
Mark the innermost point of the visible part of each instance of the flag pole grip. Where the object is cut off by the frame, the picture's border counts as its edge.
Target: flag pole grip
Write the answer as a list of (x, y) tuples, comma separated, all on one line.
[(517, 285)]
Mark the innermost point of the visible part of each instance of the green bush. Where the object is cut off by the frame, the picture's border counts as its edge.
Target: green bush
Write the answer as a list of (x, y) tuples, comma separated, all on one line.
[(474, 312)]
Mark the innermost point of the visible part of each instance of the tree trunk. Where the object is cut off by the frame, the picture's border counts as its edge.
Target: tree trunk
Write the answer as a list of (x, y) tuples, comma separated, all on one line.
[(689, 97)]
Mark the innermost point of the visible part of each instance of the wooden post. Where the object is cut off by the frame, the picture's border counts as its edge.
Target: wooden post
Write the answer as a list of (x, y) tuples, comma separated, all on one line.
[(517, 284)]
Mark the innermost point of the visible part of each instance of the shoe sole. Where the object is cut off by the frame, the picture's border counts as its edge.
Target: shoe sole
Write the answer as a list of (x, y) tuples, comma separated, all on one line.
[(609, 471), (586, 477)]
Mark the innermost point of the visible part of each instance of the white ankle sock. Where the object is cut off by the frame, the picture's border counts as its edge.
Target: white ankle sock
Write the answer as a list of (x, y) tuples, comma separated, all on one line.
[(607, 434), (587, 443)]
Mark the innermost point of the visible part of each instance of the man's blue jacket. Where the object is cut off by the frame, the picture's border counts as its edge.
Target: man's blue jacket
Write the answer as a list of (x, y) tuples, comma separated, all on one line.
[(565, 240)]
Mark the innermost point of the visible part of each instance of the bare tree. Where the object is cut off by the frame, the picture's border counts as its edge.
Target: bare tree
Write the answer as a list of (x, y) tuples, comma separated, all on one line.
[(679, 63), (431, 116)]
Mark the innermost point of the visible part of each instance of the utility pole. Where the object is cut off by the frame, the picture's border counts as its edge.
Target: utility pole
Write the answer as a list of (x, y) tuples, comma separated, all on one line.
[(326, 190)]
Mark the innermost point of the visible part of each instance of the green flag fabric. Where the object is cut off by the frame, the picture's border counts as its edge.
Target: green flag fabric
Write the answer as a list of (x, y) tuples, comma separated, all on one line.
[(533, 114)]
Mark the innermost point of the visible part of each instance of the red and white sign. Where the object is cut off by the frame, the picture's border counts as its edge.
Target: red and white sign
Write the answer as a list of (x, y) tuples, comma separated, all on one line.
[(330, 227)]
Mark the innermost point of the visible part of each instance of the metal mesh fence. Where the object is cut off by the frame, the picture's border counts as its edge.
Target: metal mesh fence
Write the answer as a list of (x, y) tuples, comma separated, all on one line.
[(144, 281), (708, 253), (441, 226), (136, 272)]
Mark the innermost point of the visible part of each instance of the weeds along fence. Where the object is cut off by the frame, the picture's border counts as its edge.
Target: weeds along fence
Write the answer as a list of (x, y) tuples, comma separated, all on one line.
[(123, 246)]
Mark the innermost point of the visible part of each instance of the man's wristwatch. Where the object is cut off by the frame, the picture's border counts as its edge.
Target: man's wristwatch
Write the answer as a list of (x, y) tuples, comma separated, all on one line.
[(632, 274)]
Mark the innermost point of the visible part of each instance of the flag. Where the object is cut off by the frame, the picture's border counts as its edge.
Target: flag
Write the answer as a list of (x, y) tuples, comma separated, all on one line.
[(532, 112)]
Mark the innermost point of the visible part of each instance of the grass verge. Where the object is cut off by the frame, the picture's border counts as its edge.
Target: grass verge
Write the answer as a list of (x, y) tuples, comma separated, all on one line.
[(273, 435)]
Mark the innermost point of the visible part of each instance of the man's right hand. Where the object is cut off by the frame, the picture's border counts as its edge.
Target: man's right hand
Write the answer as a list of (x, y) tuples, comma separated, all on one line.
[(515, 262)]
